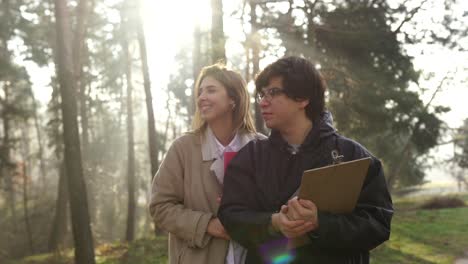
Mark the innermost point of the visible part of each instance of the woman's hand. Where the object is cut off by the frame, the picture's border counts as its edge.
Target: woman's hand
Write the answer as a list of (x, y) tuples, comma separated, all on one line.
[(216, 229)]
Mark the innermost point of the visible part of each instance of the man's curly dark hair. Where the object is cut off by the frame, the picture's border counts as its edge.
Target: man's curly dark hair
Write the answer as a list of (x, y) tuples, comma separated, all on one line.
[(301, 80)]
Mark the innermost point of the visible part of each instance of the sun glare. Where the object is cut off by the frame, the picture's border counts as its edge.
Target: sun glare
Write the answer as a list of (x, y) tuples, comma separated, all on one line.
[(169, 26), (172, 23)]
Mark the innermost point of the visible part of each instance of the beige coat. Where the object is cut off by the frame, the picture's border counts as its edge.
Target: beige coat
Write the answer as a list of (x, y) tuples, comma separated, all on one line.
[(184, 199)]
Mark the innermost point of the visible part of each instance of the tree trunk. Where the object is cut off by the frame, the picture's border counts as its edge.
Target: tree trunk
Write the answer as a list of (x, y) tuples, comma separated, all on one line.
[(7, 167), (24, 172), (255, 42), (80, 52), (152, 137), (197, 66), (84, 249), (130, 233), (248, 60), (217, 33), (59, 228), (89, 167), (166, 130), (60, 222), (39, 140)]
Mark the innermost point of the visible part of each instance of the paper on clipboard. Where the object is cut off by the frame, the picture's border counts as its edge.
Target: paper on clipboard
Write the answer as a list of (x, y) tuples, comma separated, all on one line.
[(335, 188)]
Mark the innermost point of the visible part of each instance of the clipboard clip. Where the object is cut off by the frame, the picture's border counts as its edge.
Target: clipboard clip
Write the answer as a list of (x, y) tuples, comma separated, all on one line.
[(337, 158)]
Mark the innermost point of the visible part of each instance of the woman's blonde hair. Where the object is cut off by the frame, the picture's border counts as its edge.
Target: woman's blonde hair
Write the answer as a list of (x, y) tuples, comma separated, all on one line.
[(236, 89)]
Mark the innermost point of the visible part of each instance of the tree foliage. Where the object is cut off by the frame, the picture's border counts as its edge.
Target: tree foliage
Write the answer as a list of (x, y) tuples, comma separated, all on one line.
[(369, 76), (461, 143)]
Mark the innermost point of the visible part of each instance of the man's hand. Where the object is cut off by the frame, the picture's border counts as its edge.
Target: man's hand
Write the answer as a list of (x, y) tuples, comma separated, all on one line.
[(300, 209), (216, 229), (290, 228)]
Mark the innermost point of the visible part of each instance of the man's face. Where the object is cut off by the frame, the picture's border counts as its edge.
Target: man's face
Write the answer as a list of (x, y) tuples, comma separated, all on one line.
[(278, 110)]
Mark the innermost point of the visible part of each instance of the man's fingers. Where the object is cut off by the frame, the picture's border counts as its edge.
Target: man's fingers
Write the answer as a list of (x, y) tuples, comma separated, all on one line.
[(296, 205), (293, 211), (289, 224), (302, 209), (293, 202), (294, 223), (307, 204), (300, 230), (284, 209), (302, 227)]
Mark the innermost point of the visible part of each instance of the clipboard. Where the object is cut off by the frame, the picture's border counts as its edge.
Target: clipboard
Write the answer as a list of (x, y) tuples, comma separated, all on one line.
[(335, 188)]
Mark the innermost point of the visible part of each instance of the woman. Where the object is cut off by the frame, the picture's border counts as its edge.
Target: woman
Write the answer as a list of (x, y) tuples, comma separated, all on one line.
[(187, 187)]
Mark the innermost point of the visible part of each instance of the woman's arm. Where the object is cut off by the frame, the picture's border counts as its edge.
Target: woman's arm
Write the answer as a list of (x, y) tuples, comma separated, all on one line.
[(167, 201)]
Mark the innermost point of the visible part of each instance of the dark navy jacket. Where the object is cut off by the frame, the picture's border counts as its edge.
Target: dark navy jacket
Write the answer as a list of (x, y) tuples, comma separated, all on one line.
[(265, 174)]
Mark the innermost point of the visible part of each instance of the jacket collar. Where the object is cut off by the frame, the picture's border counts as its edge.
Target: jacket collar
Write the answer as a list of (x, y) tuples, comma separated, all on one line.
[(322, 128), (208, 143)]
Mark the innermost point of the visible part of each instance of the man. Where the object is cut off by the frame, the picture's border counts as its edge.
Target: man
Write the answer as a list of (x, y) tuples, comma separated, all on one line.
[(258, 207)]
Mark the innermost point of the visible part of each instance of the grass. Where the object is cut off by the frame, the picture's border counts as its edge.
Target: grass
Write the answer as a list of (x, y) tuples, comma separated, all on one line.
[(424, 236), (418, 236)]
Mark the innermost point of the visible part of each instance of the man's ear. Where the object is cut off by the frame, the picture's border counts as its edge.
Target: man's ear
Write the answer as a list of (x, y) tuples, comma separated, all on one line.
[(303, 103)]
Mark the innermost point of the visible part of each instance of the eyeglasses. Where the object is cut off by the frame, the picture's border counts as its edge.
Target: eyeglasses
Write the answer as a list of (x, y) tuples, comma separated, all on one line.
[(269, 94)]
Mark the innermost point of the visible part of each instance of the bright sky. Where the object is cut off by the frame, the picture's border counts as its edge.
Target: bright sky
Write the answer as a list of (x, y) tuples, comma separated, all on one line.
[(453, 94), (169, 26)]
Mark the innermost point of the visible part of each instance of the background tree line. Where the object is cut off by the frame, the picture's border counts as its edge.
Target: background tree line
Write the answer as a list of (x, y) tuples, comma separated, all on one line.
[(75, 171)]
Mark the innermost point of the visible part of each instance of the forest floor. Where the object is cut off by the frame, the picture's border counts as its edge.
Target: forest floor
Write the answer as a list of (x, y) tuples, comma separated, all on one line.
[(418, 236)]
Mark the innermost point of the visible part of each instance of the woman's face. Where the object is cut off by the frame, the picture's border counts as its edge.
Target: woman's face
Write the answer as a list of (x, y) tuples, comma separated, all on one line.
[(213, 101)]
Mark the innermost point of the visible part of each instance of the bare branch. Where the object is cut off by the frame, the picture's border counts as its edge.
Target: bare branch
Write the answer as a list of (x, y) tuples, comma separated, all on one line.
[(259, 2), (439, 87), (409, 16), (406, 149)]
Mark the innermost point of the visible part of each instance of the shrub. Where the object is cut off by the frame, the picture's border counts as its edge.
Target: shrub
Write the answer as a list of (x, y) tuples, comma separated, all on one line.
[(443, 202)]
